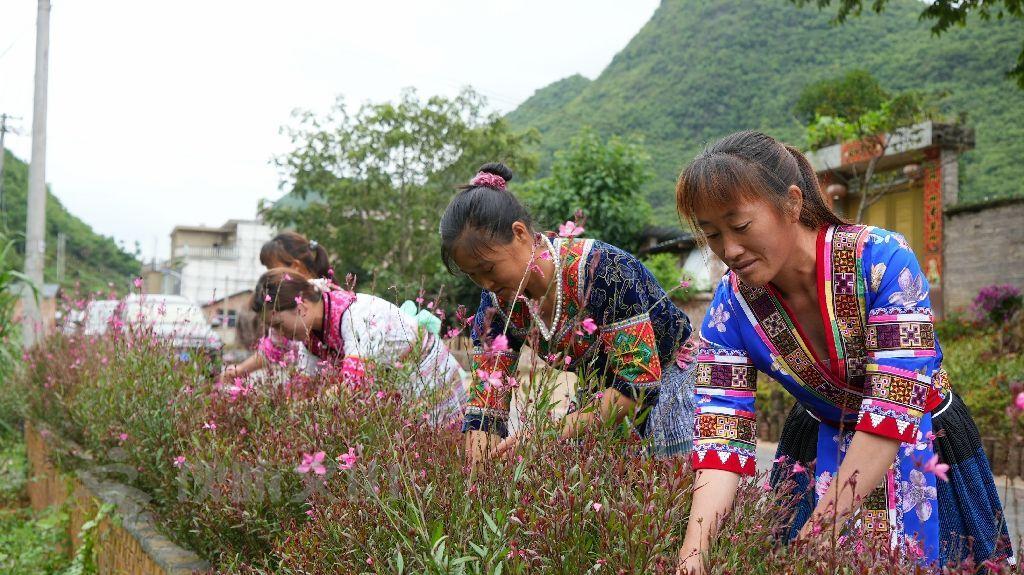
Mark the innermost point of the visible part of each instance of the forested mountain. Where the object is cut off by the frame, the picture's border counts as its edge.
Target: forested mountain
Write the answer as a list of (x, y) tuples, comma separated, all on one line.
[(700, 69)]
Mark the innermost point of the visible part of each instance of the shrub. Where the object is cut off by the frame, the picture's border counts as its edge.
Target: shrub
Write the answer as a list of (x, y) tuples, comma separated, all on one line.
[(996, 303)]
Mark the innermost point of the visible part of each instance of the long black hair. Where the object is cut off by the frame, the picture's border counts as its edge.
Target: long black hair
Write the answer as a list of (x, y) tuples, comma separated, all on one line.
[(752, 164), (481, 214)]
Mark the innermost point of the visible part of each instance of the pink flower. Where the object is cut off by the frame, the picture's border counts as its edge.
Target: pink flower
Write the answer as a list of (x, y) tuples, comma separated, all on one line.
[(309, 512), (138, 283), (511, 382), (599, 395), (490, 378), (597, 508), (452, 333), (500, 344), (684, 284), (589, 326), (914, 549), (347, 460), (211, 425), (298, 300), (797, 468), (179, 461), (237, 389), (939, 469), (123, 437), (287, 277), (569, 229), (567, 360), (267, 298), (1020, 401), (381, 395), (330, 272), (765, 486), (312, 462)]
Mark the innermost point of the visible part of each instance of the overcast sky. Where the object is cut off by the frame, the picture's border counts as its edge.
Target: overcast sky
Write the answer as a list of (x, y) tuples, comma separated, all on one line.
[(166, 113)]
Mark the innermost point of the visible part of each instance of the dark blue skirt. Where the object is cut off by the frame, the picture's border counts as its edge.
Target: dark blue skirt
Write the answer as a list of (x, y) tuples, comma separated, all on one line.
[(970, 513)]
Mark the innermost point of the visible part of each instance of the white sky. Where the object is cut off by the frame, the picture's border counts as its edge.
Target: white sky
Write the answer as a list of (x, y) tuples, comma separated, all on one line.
[(167, 113)]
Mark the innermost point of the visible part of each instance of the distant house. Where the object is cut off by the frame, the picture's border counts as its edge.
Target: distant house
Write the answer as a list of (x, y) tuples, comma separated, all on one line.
[(920, 168), (227, 314), (700, 265), (208, 263)]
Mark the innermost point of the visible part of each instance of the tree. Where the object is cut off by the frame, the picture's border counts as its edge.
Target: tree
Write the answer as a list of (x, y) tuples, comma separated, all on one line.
[(370, 186), (944, 14), (865, 113), (601, 178)]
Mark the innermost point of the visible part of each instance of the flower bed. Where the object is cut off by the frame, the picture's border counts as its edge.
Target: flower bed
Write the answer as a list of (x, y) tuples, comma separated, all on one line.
[(342, 474)]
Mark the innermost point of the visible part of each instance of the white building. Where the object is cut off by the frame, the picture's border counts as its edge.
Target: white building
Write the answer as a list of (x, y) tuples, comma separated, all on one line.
[(208, 264)]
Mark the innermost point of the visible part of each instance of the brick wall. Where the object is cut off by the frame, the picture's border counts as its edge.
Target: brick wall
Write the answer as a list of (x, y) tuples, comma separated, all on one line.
[(129, 544), (983, 246)]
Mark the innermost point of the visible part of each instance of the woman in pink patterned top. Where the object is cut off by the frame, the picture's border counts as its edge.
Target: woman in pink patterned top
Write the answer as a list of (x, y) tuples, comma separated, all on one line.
[(295, 252), (344, 329)]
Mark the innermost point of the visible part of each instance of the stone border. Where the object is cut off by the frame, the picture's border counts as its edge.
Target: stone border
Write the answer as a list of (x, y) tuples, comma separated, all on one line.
[(129, 544)]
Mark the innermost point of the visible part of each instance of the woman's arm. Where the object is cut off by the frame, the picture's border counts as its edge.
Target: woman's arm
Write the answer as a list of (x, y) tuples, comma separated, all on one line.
[(611, 406), (255, 362), (867, 460), (713, 495)]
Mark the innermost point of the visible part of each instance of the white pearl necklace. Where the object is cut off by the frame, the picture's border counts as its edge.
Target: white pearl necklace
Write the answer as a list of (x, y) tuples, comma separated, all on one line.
[(545, 331)]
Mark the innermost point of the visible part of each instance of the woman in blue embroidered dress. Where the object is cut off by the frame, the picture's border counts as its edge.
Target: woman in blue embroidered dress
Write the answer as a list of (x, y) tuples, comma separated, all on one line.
[(597, 308), (838, 314)]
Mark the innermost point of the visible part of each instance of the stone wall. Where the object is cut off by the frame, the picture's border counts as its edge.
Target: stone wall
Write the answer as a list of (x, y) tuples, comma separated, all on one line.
[(984, 245), (129, 544)]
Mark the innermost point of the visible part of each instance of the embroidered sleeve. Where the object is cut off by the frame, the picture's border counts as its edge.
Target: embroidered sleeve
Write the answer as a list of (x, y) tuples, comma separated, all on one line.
[(899, 338), (489, 394), (726, 379), (629, 304)]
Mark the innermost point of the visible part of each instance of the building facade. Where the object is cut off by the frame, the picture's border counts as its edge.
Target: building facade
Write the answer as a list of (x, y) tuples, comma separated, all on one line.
[(208, 263), (916, 180)]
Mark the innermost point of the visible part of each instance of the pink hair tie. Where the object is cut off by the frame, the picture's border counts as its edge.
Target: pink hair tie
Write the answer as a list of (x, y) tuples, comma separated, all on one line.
[(488, 179)]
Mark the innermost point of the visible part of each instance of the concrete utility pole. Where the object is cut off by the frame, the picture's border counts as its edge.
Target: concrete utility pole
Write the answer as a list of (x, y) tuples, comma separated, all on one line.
[(35, 224)]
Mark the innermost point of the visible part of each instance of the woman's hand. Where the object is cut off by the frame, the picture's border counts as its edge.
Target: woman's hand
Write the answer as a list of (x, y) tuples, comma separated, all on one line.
[(690, 563), (229, 374), (506, 449), (867, 461)]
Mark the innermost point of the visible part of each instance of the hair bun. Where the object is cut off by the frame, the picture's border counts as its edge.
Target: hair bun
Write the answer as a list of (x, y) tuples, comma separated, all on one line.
[(498, 169)]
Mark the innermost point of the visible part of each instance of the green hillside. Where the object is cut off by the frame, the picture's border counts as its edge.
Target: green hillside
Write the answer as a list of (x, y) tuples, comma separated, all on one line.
[(701, 69), (92, 259)]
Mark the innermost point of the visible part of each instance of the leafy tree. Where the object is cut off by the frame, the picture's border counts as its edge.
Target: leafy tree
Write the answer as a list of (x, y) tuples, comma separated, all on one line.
[(603, 179), (944, 15), (848, 96), (370, 186), (874, 129)]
